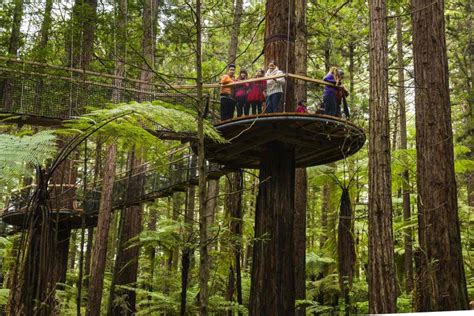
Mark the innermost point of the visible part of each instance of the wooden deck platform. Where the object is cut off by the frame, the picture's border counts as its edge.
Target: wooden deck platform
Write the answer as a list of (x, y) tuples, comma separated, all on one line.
[(318, 139)]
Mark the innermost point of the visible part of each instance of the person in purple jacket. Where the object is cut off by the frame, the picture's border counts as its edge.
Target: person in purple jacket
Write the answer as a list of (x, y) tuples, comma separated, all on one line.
[(329, 95)]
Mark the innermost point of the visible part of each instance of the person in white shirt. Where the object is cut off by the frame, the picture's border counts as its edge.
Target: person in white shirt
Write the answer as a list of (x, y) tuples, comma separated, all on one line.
[(274, 89)]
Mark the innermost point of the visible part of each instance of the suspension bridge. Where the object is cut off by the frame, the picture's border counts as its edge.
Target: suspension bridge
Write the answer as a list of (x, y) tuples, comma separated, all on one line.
[(46, 95)]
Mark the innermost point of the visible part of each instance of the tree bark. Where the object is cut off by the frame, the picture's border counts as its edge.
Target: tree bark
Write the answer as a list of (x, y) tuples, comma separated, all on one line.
[(324, 215), (382, 291), (13, 47), (235, 31), (14, 41), (81, 48), (99, 250), (273, 273), (121, 48), (280, 24), (301, 185), (187, 250), (408, 257), (149, 23), (346, 248), (90, 230), (234, 208), (41, 49), (443, 282), (126, 262)]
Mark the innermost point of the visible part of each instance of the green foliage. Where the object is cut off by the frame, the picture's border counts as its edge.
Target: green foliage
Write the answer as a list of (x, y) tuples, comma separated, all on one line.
[(135, 121), (66, 297), (316, 264), (168, 235), (19, 155), (4, 296)]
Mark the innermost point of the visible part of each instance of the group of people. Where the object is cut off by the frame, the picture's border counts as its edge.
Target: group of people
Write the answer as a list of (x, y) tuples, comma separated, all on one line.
[(250, 96)]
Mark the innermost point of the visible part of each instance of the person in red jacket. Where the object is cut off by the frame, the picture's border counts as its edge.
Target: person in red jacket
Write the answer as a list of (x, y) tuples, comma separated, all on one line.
[(241, 92), (256, 94), (301, 108)]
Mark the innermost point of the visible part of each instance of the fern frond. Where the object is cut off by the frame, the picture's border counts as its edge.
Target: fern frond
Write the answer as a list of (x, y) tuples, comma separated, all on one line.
[(18, 154)]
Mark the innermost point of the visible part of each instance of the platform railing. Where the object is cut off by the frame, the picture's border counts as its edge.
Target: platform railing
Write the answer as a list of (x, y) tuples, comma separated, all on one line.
[(56, 94), (59, 198)]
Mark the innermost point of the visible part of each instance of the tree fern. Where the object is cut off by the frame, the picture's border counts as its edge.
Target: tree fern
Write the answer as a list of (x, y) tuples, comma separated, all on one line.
[(136, 122), (18, 154)]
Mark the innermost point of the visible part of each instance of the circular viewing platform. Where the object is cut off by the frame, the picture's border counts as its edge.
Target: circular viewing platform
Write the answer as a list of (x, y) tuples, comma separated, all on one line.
[(318, 139)]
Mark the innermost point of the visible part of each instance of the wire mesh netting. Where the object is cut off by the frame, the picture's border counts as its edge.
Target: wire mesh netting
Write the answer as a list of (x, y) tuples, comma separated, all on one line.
[(61, 93)]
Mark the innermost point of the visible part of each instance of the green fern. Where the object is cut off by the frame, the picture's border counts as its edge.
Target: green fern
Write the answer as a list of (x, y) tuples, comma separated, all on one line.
[(136, 122), (19, 155)]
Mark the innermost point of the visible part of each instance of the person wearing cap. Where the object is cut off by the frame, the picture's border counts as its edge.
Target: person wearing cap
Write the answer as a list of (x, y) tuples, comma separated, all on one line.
[(227, 100), (274, 88)]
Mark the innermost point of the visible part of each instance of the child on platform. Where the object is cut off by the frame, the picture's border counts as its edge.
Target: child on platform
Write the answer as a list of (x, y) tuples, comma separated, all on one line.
[(301, 108)]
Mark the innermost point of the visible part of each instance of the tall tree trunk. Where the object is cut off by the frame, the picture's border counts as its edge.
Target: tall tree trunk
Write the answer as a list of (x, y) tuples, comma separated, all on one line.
[(34, 280), (126, 262), (301, 185), (273, 273), (149, 22), (14, 41), (382, 291), (177, 205), (63, 194), (235, 185), (44, 38), (187, 250), (99, 250), (235, 31), (234, 208), (443, 282), (280, 19), (120, 47), (324, 214), (73, 251), (87, 259), (346, 248), (408, 257), (203, 215), (80, 47), (90, 230), (13, 47)]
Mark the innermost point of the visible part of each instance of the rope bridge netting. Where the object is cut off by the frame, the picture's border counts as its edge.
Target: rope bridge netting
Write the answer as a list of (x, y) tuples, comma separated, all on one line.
[(57, 93), (46, 93), (69, 200)]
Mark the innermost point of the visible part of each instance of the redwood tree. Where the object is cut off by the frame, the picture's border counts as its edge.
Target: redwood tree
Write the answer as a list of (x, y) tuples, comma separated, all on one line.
[(273, 273), (441, 283), (301, 183), (382, 291), (408, 256)]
